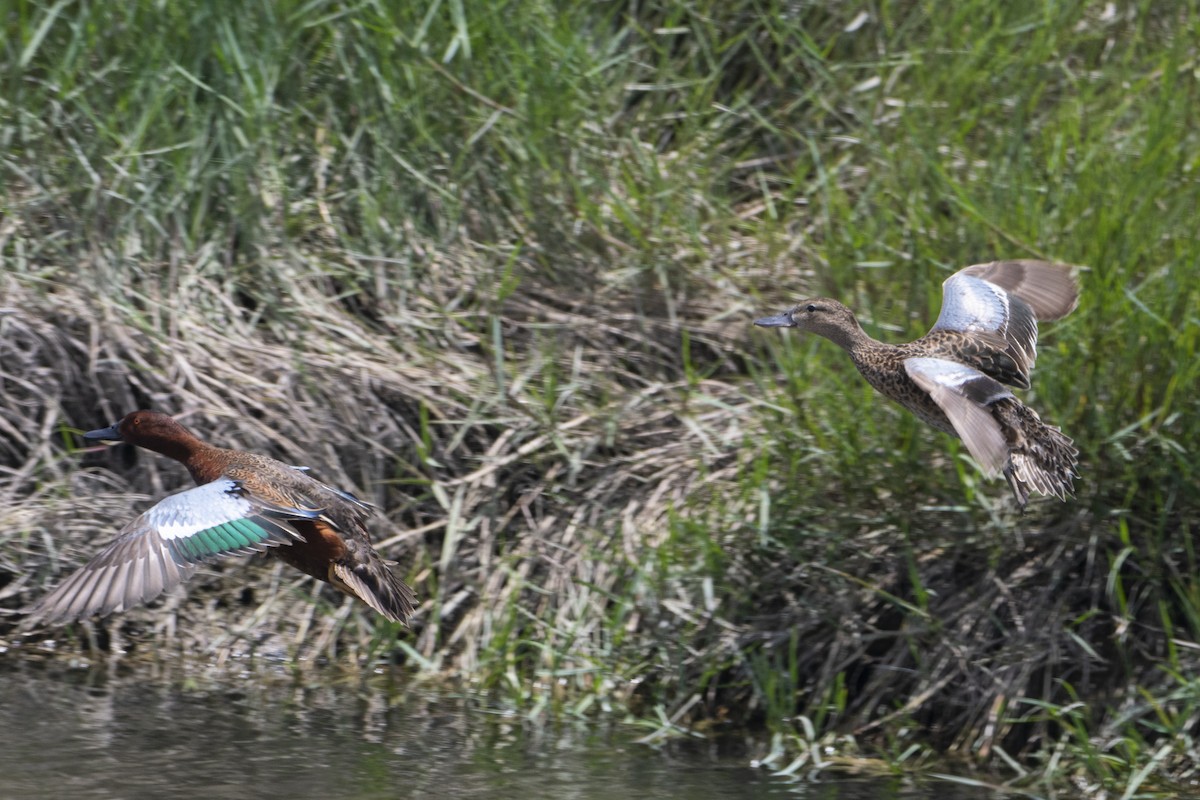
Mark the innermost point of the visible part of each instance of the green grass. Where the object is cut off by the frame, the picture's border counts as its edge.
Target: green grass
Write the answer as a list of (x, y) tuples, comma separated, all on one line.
[(493, 265)]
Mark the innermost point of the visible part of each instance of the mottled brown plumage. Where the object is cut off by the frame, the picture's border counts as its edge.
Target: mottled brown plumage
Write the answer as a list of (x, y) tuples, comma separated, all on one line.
[(952, 378), (243, 503)]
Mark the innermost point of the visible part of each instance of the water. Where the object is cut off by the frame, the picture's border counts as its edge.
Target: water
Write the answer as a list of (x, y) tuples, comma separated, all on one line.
[(84, 735)]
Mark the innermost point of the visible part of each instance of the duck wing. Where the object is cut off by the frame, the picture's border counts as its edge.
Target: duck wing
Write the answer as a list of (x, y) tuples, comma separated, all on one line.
[(1049, 289), (344, 494), (964, 394), (998, 306), (162, 547)]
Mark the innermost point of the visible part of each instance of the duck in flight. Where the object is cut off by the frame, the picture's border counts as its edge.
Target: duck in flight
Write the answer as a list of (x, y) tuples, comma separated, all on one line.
[(954, 377), (243, 503)]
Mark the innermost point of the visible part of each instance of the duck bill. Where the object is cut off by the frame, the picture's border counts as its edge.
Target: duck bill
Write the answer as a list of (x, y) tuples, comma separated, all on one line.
[(783, 320), (110, 434)]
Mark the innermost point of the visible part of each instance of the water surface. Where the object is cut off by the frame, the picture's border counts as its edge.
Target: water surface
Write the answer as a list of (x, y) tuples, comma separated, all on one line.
[(82, 734)]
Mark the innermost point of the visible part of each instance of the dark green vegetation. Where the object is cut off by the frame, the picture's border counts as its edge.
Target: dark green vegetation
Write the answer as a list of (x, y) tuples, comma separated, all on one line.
[(494, 264)]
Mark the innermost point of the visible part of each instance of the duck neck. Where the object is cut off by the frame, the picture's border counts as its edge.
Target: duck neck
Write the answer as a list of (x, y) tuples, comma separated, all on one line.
[(178, 447), (853, 339), (206, 464), (200, 458)]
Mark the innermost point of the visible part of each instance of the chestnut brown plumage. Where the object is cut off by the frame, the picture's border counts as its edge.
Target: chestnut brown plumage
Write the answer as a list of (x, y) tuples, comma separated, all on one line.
[(243, 503)]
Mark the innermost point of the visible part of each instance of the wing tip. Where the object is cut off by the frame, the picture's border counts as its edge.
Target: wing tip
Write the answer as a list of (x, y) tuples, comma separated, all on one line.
[(1050, 288)]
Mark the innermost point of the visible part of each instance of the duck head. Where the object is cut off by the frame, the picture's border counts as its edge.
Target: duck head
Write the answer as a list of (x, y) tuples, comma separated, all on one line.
[(152, 430), (820, 315)]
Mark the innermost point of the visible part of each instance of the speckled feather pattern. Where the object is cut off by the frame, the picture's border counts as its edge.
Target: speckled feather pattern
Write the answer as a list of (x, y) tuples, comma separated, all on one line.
[(954, 377)]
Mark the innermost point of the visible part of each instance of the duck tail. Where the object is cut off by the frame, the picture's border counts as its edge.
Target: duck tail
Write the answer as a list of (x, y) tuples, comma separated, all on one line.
[(371, 579), (1041, 458)]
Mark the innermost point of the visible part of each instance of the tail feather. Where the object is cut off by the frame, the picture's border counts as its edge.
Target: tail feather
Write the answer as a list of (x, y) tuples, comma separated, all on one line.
[(372, 581), (1041, 458)]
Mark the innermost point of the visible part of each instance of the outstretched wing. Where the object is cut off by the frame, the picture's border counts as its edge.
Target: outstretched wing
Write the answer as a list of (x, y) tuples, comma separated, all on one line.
[(1049, 289), (162, 547), (1002, 302), (964, 395)]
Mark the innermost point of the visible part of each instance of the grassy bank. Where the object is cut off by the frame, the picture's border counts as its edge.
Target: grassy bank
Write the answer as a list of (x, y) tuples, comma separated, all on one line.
[(493, 267)]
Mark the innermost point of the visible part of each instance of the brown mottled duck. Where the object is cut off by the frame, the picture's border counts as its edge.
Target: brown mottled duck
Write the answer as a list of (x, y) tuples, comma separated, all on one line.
[(953, 377)]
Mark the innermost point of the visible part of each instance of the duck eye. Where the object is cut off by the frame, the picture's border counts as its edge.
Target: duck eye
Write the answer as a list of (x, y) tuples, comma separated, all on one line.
[(810, 308)]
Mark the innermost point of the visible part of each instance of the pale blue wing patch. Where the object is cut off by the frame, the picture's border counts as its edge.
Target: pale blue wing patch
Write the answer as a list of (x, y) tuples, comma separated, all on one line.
[(973, 305), (161, 548), (220, 518), (970, 304), (965, 395), (1007, 299)]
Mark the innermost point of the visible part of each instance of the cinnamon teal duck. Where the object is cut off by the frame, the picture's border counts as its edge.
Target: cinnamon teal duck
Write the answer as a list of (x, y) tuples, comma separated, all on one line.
[(953, 377), (243, 503)]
